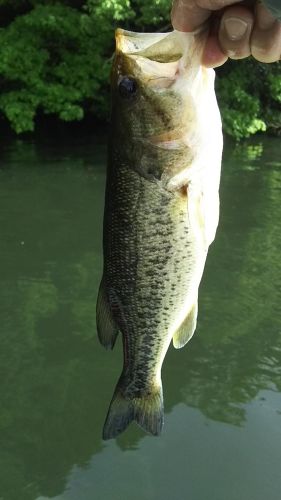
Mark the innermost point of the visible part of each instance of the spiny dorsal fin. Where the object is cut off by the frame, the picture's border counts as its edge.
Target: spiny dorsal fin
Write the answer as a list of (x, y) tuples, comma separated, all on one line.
[(187, 328)]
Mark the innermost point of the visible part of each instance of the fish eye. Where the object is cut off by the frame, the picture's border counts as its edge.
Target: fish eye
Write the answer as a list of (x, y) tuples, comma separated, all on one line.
[(128, 87)]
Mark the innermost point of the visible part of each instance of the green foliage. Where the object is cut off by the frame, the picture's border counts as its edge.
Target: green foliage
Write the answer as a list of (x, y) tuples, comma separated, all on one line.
[(55, 58), (48, 62), (274, 81), (248, 94), (109, 9), (153, 14), (141, 13)]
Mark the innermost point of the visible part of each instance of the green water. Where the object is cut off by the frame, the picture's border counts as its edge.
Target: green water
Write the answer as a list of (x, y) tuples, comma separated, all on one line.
[(222, 434)]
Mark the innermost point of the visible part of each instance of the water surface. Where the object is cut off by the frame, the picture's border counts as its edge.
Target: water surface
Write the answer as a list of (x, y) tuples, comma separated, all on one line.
[(222, 435)]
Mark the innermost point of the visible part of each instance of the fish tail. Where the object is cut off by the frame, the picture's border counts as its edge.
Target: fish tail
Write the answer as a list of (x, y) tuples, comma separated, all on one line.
[(149, 411), (146, 410)]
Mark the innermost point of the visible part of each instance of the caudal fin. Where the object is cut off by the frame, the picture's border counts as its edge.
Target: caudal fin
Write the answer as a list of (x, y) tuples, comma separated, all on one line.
[(146, 410)]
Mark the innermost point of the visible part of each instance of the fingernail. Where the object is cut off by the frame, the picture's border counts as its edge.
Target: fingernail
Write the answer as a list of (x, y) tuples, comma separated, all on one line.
[(235, 28)]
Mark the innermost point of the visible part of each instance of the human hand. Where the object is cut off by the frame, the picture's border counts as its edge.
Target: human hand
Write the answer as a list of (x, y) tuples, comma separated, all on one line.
[(236, 30)]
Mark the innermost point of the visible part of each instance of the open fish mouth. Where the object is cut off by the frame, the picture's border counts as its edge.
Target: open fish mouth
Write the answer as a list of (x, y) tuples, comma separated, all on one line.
[(158, 47)]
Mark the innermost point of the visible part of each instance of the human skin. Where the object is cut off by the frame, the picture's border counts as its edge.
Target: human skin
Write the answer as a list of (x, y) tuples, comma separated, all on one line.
[(238, 29)]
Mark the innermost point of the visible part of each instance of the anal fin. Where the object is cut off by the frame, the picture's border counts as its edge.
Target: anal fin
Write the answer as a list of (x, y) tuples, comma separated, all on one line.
[(106, 326), (187, 328)]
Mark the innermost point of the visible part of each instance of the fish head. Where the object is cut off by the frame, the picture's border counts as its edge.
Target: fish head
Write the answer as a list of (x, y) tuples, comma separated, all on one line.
[(160, 99)]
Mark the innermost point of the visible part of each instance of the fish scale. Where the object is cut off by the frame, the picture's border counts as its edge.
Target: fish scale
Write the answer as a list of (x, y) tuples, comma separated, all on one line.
[(154, 267), (156, 227)]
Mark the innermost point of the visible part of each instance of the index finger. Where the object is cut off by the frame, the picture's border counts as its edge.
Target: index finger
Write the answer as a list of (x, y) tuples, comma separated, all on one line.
[(188, 15)]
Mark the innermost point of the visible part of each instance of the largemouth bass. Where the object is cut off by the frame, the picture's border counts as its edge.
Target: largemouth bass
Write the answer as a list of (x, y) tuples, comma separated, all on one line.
[(161, 211)]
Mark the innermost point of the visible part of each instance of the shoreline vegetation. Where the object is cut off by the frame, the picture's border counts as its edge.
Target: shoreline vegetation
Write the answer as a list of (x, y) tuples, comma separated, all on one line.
[(55, 59)]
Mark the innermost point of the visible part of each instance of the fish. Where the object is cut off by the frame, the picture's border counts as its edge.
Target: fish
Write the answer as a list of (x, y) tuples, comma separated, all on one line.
[(161, 211)]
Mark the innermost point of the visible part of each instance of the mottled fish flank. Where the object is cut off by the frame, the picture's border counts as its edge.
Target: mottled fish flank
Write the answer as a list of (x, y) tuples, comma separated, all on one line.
[(161, 212)]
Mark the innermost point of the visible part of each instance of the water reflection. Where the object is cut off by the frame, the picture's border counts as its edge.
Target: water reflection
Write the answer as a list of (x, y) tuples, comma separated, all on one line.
[(56, 381)]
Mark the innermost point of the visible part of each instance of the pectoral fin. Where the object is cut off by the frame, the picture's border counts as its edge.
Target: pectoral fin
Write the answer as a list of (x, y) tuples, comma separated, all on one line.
[(196, 214), (187, 328), (203, 213), (106, 326)]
